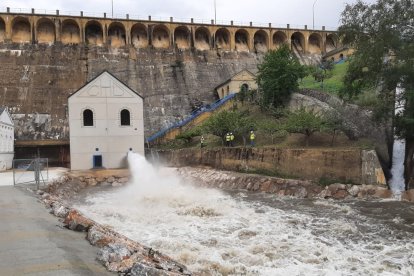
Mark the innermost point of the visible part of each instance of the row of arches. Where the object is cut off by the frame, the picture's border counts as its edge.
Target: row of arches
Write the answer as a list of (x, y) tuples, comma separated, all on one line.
[(160, 36)]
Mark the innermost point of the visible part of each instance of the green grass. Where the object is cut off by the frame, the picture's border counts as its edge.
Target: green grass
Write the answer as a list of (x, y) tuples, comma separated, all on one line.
[(331, 85)]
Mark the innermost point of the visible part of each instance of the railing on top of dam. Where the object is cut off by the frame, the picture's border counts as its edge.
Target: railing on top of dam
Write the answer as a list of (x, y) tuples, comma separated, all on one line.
[(126, 16), (193, 115)]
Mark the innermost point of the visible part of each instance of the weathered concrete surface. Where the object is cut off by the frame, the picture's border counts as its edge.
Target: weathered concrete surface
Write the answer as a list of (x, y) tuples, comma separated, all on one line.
[(328, 165), (32, 242), (35, 81)]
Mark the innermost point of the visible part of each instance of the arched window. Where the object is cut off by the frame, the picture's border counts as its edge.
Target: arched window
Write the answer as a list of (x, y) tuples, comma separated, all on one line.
[(244, 87), (125, 118), (87, 117)]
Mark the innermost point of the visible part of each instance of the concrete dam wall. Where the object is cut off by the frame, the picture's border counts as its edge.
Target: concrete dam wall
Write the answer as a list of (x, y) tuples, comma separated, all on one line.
[(36, 80)]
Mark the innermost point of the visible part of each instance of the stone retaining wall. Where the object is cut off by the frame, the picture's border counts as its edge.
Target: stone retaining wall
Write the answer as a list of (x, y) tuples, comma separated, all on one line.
[(354, 166), (283, 187)]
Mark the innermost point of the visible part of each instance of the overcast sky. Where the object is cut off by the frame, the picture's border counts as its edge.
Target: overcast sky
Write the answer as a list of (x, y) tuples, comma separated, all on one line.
[(278, 12)]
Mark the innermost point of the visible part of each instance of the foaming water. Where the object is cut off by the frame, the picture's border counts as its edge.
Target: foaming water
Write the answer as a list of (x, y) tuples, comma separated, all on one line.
[(240, 233), (397, 182)]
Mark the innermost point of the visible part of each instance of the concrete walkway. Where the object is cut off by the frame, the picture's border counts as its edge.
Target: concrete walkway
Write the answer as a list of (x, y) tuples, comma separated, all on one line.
[(32, 242)]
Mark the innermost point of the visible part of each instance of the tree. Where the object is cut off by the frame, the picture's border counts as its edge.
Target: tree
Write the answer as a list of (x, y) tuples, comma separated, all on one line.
[(228, 121), (188, 135), (304, 122), (278, 76), (382, 35), (333, 122), (271, 128)]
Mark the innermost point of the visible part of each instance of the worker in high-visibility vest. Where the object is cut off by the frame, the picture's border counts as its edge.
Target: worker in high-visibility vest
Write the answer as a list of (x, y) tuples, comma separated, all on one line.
[(252, 138), (228, 139), (231, 139)]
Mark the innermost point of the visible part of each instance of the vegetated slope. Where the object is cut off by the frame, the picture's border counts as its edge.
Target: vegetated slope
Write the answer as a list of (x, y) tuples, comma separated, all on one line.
[(330, 85)]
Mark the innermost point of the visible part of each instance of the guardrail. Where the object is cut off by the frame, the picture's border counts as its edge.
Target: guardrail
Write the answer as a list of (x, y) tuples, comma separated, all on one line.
[(193, 115), (123, 16)]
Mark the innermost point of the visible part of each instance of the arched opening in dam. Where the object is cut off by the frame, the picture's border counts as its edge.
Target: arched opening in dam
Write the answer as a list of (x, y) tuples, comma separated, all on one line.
[(261, 41), (2, 30), (94, 33), (116, 35), (182, 38), (21, 30), (222, 38), (70, 32), (242, 40), (331, 42), (279, 38), (202, 39), (45, 31), (315, 44), (298, 42), (161, 37), (139, 36)]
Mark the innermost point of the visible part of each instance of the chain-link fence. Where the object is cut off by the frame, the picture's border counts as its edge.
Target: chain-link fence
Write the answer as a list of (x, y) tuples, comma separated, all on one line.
[(31, 171)]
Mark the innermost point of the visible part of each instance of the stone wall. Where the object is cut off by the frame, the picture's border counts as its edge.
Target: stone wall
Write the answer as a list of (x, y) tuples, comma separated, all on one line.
[(358, 122), (323, 165), (36, 80)]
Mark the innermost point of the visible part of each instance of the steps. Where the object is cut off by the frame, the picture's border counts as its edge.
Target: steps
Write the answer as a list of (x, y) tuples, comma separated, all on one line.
[(194, 119)]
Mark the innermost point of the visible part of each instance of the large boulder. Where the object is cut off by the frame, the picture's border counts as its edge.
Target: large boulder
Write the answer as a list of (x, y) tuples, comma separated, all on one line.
[(77, 222)]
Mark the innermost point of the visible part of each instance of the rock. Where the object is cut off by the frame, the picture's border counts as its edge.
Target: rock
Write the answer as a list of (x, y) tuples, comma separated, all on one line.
[(340, 194), (337, 186), (60, 211), (383, 193), (77, 222), (110, 179), (100, 179), (105, 184), (92, 182), (46, 196), (113, 252), (123, 180), (408, 195), (97, 237), (301, 192), (142, 270), (326, 193), (123, 266), (266, 186), (40, 192), (354, 190), (116, 184)]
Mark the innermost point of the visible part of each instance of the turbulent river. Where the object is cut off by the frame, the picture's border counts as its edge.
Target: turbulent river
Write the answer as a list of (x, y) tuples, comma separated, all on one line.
[(240, 233)]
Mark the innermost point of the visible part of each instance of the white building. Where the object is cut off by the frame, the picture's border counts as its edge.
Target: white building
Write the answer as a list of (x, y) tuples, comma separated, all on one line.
[(6, 140), (105, 122)]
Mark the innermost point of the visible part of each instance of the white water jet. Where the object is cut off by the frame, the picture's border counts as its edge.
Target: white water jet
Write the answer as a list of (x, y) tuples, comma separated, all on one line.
[(214, 233), (397, 182)]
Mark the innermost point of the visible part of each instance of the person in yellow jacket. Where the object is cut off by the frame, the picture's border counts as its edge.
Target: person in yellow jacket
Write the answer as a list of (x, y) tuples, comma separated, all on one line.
[(228, 139), (252, 138), (231, 139)]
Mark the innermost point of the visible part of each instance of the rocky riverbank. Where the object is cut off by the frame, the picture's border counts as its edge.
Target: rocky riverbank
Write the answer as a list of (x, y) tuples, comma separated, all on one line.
[(127, 257), (117, 253), (286, 187)]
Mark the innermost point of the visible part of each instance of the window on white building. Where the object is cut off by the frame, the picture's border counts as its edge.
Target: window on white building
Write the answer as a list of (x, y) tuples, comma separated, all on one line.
[(87, 117), (125, 118)]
